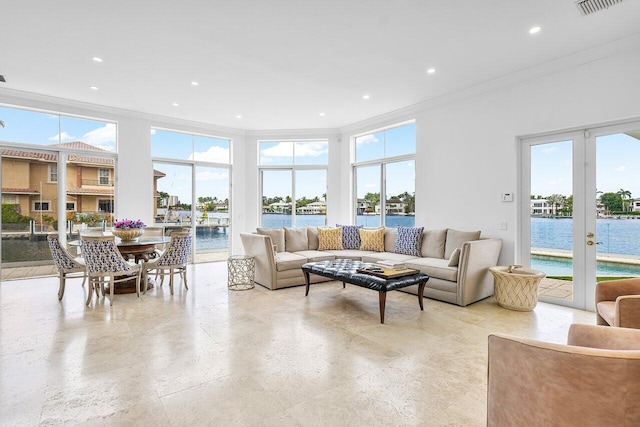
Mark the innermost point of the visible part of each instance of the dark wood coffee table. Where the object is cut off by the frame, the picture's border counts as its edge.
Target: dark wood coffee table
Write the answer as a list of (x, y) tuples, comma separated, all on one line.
[(348, 271)]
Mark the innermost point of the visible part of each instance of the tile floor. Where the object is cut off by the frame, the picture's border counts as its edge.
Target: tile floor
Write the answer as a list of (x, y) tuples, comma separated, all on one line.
[(209, 356)]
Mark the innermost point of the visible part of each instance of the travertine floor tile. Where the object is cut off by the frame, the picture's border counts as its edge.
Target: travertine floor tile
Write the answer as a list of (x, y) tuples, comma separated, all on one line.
[(210, 356)]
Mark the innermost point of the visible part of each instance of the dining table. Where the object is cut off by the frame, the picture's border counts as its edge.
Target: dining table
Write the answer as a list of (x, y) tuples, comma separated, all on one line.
[(141, 249)]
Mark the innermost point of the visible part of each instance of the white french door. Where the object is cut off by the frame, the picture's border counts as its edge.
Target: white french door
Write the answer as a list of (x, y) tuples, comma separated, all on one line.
[(579, 219)]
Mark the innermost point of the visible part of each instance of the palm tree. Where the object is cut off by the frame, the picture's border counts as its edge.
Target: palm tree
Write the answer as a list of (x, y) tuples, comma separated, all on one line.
[(624, 194), (556, 200)]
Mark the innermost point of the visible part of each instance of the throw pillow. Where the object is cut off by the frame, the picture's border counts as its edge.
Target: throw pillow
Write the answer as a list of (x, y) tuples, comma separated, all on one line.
[(456, 238), (329, 239), (295, 239), (277, 237), (409, 241), (312, 236), (350, 236), (372, 240), (455, 258)]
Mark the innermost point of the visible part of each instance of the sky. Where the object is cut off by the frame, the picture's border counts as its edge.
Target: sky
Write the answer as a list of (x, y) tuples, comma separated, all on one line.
[(616, 158)]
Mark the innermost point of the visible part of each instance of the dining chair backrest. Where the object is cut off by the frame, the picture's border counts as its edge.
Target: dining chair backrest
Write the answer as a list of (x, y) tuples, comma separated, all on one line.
[(178, 250), (154, 231), (62, 259), (102, 256)]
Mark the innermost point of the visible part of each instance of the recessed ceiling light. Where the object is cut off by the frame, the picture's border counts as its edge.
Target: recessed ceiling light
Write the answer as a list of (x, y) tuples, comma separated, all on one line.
[(534, 30), (431, 70), (194, 83), (366, 96), (175, 104), (322, 114), (238, 116), (94, 87), (95, 58)]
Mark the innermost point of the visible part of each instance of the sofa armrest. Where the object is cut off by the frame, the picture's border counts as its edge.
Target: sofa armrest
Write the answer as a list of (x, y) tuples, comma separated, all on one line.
[(474, 279), (610, 290), (261, 248), (628, 311), (605, 337)]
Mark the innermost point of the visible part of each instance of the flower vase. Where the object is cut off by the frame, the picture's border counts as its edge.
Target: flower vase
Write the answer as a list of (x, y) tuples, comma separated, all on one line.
[(128, 234)]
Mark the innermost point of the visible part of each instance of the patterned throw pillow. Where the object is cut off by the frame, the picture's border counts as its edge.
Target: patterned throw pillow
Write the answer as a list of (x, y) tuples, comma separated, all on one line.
[(409, 241), (350, 236), (372, 240), (329, 239)]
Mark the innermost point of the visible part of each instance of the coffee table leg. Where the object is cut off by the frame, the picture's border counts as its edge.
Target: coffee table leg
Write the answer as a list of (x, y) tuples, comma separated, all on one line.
[(421, 294), (306, 280), (344, 285), (383, 301)]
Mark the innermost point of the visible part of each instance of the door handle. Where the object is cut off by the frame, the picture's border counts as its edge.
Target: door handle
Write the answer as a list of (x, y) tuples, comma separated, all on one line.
[(591, 243)]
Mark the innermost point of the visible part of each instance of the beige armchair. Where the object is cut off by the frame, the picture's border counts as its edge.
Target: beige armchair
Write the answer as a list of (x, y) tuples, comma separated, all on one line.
[(618, 303), (592, 381)]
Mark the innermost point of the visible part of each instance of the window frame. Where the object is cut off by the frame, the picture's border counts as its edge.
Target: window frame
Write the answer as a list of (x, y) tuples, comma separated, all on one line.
[(292, 168), (51, 174), (382, 163), (100, 177), (41, 203)]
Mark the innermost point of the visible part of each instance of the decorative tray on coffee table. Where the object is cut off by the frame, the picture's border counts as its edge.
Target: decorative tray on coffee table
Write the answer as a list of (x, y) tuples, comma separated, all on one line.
[(388, 273)]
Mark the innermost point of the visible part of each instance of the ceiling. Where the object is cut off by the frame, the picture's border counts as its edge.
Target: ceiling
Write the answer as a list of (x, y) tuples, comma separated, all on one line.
[(280, 63)]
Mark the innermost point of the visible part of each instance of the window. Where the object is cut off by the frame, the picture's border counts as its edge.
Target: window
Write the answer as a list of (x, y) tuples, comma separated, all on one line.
[(105, 205), (103, 177), (53, 173), (10, 199), (41, 206), (293, 183), (191, 187), (71, 206), (384, 177)]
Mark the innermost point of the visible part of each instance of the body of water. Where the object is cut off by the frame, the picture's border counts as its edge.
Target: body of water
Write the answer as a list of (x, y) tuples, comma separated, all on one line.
[(282, 220)]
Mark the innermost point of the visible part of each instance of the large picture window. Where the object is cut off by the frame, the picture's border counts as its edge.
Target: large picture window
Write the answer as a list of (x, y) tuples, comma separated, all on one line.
[(191, 175), (293, 177), (384, 177)]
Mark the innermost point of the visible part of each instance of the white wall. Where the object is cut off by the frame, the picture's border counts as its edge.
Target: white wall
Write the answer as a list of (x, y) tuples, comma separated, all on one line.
[(467, 148)]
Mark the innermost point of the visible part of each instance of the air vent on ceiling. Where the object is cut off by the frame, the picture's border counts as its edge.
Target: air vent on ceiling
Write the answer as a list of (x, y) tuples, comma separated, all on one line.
[(587, 7)]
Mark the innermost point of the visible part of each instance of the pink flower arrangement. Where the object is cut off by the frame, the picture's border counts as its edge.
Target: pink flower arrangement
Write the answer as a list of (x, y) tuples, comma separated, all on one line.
[(127, 224)]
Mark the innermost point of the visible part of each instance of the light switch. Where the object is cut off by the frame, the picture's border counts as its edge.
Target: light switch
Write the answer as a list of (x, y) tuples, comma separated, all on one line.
[(503, 225), (507, 197)]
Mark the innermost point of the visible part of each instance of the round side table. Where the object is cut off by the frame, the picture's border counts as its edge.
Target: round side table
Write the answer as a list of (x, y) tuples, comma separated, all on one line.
[(242, 270), (517, 290)]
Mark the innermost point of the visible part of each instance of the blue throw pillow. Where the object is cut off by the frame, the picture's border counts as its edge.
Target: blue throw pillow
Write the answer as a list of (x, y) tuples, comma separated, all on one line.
[(350, 236), (409, 241)]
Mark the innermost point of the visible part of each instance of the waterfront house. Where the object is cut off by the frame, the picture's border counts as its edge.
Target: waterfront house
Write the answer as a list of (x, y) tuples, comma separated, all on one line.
[(313, 208)]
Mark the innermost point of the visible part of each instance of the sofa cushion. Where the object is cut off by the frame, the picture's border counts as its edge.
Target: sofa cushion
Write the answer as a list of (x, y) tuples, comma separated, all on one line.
[(607, 310), (386, 256), (295, 239), (329, 238), (277, 237), (314, 256), (390, 239), (353, 254), (433, 243), (454, 259), (350, 236), (372, 240), (312, 237), (288, 261), (435, 267), (456, 238), (409, 241)]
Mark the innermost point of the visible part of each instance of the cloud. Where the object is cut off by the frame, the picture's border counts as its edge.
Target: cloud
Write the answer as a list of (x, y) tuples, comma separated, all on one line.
[(62, 137), (284, 149), (366, 139), (102, 137), (556, 182), (621, 168), (214, 154), (550, 150), (211, 176)]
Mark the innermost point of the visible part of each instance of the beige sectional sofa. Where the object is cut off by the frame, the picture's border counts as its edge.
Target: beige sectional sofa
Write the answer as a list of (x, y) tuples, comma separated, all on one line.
[(280, 253)]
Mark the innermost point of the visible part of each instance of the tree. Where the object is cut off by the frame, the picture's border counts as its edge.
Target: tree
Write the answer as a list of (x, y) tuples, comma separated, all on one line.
[(162, 197), (373, 199), (567, 209), (624, 194), (556, 200), (611, 202)]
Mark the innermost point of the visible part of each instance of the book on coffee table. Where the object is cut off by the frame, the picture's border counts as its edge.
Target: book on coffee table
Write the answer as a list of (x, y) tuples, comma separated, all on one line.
[(392, 265), (389, 273)]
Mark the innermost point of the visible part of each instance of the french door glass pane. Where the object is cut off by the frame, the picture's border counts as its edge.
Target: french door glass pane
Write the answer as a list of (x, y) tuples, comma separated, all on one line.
[(368, 196), (173, 195), (618, 205), (212, 214), (311, 206), (400, 191), (84, 134), (551, 217), (276, 198)]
